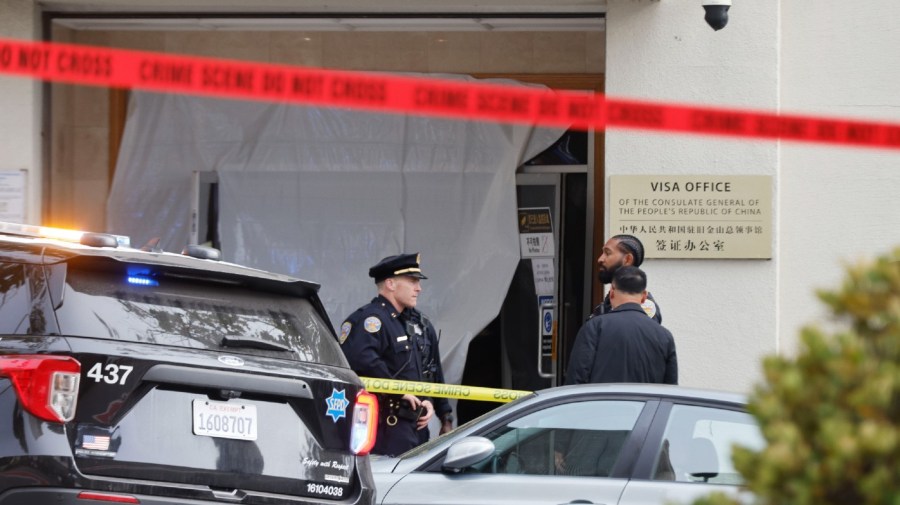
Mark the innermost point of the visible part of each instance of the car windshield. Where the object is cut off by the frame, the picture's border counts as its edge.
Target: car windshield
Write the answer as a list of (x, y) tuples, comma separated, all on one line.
[(459, 429)]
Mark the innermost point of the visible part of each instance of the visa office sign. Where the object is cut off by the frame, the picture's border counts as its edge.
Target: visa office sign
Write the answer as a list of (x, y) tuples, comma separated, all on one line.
[(711, 217)]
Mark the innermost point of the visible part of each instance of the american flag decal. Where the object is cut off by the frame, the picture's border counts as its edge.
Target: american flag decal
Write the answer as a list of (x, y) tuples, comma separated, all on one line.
[(98, 443)]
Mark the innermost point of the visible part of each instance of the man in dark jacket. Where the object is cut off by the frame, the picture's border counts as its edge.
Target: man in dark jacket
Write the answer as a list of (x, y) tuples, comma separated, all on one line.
[(624, 345)]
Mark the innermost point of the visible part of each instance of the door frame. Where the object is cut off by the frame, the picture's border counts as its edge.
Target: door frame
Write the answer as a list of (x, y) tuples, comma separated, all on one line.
[(546, 178)]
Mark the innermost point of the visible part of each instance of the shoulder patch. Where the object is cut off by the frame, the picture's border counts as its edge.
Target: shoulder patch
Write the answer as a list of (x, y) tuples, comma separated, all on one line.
[(372, 324), (649, 307), (345, 331)]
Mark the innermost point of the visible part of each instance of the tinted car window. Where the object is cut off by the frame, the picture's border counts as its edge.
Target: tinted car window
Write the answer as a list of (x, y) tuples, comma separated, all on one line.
[(575, 439), (698, 442), (15, 303), (25, 307), (188, 313)]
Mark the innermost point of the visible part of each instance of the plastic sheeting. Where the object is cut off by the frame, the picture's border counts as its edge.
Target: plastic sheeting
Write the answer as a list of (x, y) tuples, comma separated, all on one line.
[(324, 193)]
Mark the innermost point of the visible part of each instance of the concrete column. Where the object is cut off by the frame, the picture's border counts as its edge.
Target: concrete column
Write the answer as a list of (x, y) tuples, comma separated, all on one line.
[(20, 103)]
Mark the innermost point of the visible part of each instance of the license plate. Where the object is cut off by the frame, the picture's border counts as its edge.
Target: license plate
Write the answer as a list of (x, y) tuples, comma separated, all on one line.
[(224, 419)]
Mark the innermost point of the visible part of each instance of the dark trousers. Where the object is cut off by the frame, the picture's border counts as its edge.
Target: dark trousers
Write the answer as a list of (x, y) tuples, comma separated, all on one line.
[(397, 439)]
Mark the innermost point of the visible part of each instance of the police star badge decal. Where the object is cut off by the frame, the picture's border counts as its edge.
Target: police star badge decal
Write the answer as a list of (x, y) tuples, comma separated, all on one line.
[(337, 404)]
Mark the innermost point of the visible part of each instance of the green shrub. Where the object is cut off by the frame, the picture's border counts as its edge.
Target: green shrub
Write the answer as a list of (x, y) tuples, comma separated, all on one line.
[(830, 414)]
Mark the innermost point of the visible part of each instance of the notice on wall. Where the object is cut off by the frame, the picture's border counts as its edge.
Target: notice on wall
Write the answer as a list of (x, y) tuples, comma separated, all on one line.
[(694, 216), (547, 342), (12, 196), (544, 276), (536, 232)]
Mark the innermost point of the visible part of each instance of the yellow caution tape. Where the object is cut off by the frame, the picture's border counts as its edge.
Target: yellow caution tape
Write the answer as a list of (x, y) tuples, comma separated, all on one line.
[(441, 390)]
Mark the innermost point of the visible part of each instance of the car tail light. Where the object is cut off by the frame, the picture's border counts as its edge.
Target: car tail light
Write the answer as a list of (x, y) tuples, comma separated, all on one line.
[(47, 386), (365, 423), (116, 498)]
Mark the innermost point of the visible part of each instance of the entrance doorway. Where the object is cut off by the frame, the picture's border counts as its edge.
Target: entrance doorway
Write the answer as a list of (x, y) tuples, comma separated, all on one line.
[(527, 346)]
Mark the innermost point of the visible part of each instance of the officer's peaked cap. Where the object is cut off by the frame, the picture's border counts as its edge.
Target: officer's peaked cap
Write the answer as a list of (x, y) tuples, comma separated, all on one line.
[(393, 266)]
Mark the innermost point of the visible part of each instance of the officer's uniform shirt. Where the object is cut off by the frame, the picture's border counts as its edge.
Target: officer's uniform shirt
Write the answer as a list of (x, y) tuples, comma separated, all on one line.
[(376, 344), (426, 339), (650, 307)]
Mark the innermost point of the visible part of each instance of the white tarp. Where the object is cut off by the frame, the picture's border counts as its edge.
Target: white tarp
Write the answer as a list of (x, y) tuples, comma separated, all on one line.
[(323, 194)]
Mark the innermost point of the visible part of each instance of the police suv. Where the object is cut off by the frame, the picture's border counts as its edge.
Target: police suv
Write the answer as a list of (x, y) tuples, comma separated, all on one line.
[(135, 376)]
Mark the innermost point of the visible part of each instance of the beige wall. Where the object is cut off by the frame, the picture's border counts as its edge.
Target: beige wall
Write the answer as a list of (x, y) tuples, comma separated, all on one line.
[(80, 115), (21, 109)]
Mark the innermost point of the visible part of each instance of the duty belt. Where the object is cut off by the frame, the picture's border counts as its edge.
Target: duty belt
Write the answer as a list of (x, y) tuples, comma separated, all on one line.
[(398, 408)]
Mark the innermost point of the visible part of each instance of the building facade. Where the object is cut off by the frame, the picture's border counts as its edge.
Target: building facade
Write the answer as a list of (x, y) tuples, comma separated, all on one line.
[(830, 205)]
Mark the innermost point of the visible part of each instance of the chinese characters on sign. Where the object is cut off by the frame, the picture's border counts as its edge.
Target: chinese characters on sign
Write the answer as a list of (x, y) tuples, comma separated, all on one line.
[(695, 216), (536, 233)]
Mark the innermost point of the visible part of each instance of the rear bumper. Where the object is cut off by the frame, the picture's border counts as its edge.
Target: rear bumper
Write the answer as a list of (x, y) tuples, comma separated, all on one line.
[(37, 480), (30, 496), (59, 496)]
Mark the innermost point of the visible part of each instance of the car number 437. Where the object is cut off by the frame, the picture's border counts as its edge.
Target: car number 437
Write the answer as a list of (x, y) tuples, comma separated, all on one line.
[(110, 374)]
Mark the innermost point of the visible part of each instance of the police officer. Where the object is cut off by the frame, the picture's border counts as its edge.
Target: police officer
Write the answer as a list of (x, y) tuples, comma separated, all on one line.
[(427, 340), (377, 344), (619, 251)]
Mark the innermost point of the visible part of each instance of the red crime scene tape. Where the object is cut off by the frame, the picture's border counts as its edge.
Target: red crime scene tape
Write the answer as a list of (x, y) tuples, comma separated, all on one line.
[(377, 92)]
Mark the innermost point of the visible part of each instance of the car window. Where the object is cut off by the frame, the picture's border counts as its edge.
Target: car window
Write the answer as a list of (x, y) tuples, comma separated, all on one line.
[(190, 313), (574, 439), (497, 411), (16, 299), (25, 307), (698, 441)]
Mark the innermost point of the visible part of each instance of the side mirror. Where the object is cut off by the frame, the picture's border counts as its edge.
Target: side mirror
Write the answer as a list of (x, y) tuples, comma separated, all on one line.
[(467, 452)]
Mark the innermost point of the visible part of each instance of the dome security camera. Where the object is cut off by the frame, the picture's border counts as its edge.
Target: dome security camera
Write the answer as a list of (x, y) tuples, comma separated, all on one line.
[(716, 13)]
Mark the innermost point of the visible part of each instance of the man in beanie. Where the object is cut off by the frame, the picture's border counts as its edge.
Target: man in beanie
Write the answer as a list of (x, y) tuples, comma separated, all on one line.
[(619, 251), (377, 344)]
